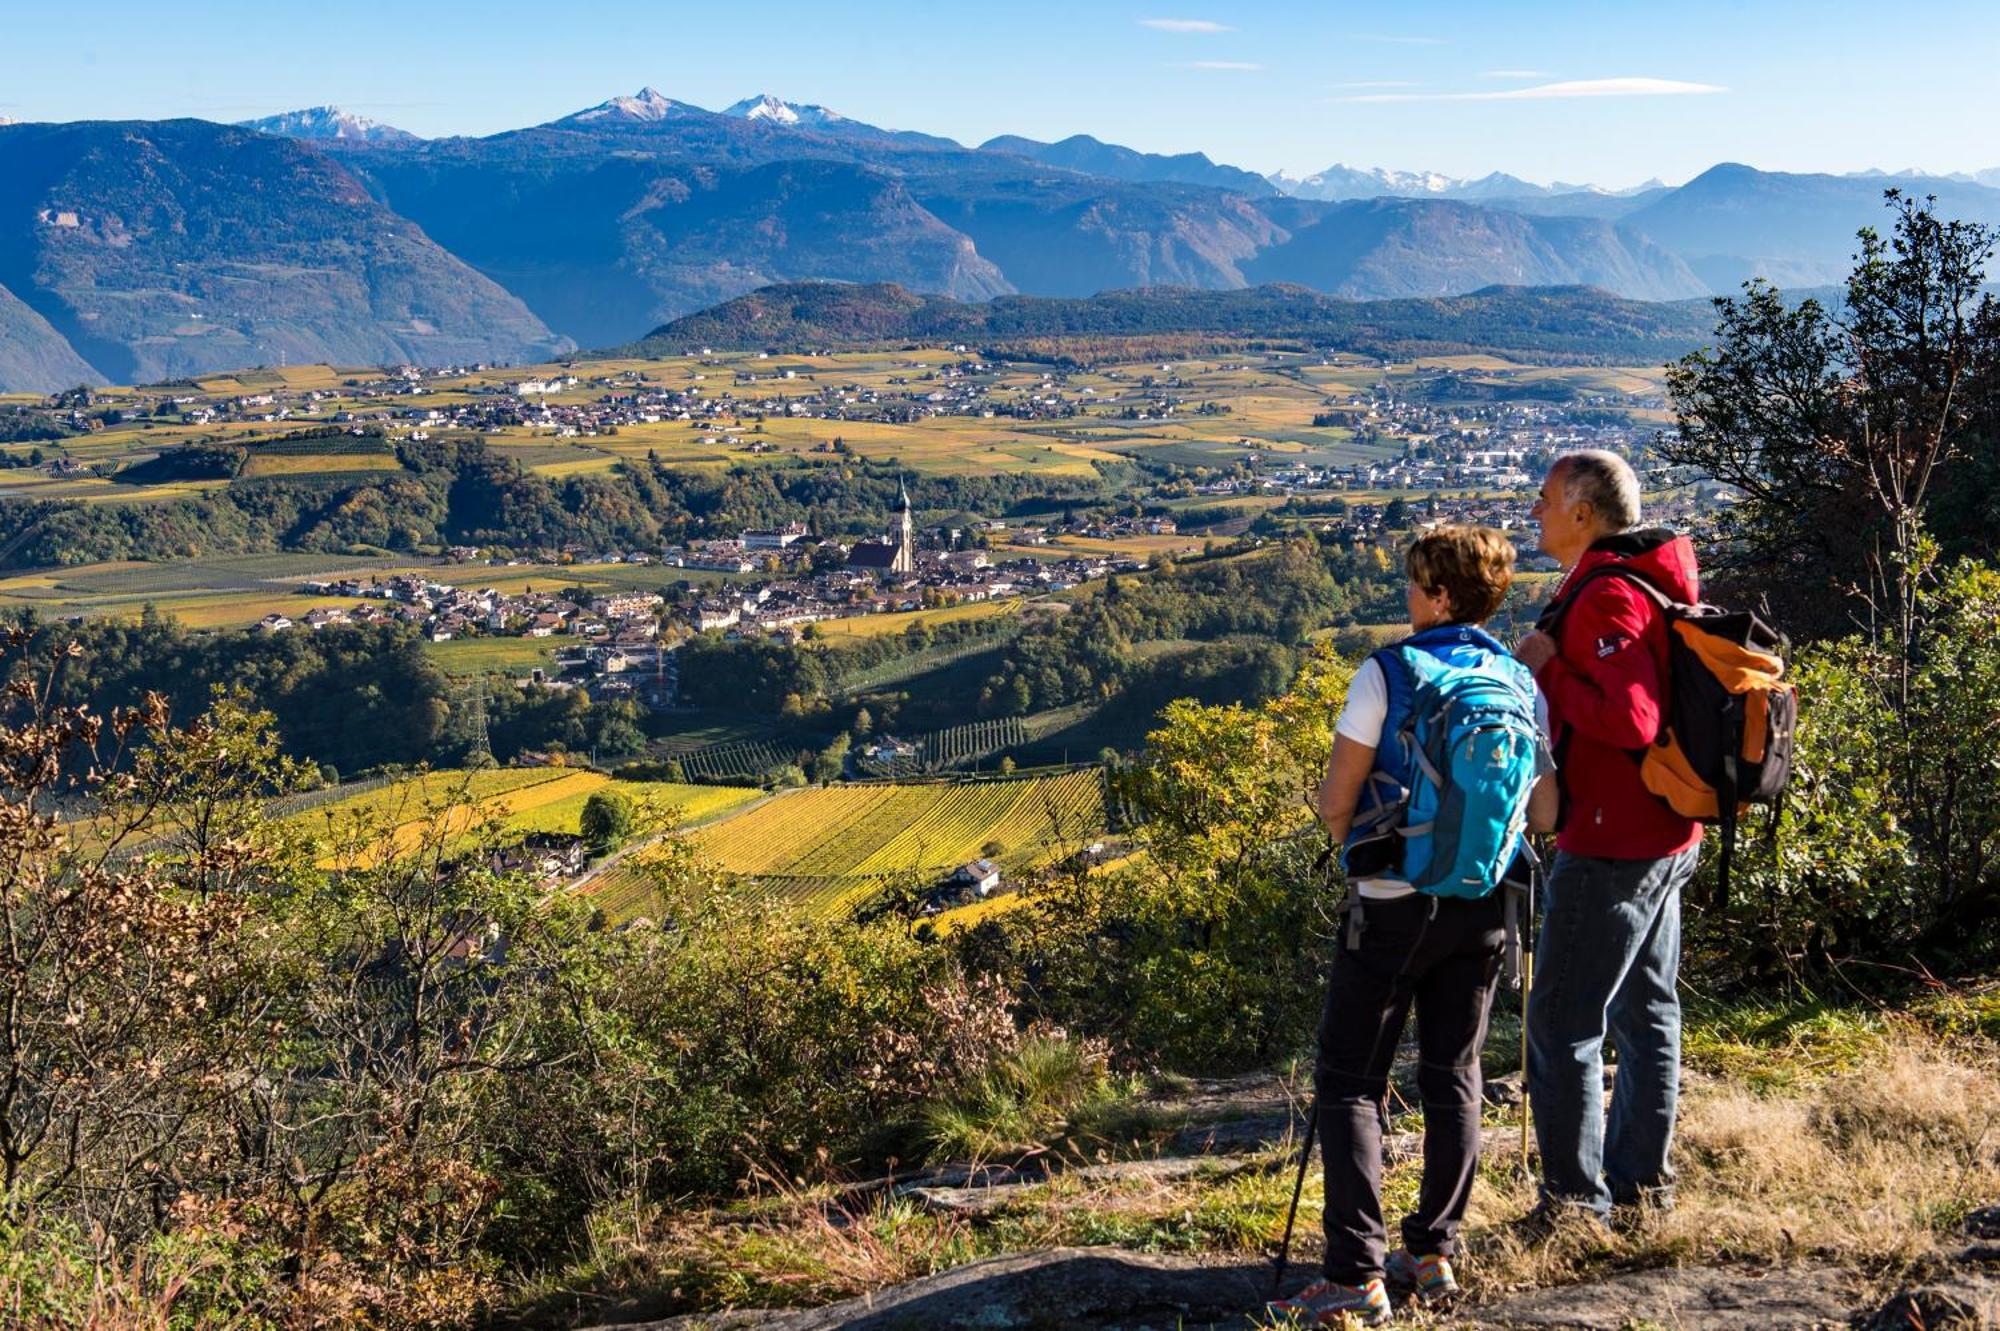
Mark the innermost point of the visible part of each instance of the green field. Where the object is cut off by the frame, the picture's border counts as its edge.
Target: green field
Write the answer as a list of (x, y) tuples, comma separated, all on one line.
[(515, 656)]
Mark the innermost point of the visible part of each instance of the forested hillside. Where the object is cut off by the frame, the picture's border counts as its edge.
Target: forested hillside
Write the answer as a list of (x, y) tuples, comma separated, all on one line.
[(164, 248), (1561, 322), (459, 492)]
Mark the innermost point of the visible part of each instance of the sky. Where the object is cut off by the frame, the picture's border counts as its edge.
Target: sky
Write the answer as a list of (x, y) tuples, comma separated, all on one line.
[(1610, 93)]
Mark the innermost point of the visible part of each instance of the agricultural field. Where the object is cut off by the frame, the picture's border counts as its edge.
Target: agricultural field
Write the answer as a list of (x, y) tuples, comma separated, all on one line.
[(511, 656), (659, 803), (394, 818), (954, 746), (1230, 408), (874, 626), (225, 591), (1124, 547), (834, 846), (744, 760), (316, 464), (960, 918), (877, 830), (237, 610)]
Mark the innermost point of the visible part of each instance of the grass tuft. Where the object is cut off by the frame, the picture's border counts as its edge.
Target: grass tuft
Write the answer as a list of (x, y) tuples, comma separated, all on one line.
[(1019, 1104)]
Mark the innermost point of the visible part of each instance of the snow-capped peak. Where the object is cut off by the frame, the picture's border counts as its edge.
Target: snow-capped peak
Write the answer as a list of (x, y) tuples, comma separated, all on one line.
[(780, 112), (1348, 182), (327, 122), (646, 105)]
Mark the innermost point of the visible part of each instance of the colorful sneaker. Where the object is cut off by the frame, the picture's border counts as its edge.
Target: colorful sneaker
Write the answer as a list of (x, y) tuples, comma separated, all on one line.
[(1325, 1303), (1429, 1276)]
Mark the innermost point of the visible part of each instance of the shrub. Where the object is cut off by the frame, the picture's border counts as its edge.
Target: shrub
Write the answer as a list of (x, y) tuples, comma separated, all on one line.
[(1205, 953), (1884, 851)]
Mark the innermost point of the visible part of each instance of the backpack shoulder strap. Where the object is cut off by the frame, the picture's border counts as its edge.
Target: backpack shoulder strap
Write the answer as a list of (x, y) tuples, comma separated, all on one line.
[(1552, 618), (1399, 677)]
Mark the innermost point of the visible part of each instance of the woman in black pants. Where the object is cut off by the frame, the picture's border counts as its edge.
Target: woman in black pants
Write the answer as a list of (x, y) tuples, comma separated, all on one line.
[(1404, 948)]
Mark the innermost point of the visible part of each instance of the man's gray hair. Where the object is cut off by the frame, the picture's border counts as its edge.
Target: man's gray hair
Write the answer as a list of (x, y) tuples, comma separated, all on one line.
[(1606, 482)]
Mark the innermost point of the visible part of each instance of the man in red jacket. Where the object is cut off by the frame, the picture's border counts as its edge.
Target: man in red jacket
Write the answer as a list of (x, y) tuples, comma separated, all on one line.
[(1609, 954)]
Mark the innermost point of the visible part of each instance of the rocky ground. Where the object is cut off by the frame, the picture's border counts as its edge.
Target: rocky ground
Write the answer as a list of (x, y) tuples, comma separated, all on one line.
[(1234, 1130)]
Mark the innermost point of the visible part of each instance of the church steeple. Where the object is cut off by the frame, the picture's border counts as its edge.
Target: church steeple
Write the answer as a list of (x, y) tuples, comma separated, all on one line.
[(906, 543)]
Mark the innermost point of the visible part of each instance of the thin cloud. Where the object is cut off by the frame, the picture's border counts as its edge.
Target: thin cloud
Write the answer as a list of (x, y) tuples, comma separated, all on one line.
[(1551, 91), (1514, 74), (1184, 25), (1388, 39), (1220, 64), (1381, 83)]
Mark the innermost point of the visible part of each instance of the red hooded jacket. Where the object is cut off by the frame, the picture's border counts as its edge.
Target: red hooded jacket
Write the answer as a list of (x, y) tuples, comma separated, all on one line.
[(1606, 688)]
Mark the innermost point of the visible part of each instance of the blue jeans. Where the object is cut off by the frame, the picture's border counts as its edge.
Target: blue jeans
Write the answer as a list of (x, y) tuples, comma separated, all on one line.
[(1606, 963)]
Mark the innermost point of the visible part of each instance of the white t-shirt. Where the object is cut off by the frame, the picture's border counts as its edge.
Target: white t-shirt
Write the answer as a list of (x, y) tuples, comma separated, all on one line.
[(1361, 719)]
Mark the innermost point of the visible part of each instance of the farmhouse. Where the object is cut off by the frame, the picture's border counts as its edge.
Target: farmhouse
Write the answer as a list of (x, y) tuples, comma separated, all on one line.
[(979, 877)]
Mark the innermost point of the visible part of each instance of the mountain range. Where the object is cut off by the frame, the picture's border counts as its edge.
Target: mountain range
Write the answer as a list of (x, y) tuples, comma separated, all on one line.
[(1348, 182), (135, 250)]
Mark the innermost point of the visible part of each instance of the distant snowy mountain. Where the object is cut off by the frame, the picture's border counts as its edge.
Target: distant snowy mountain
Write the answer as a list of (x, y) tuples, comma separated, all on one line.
[(1911, 173), (1340, 182), (1348, 182), (643, 107), (780, 112), (328, 122), (769, 110)]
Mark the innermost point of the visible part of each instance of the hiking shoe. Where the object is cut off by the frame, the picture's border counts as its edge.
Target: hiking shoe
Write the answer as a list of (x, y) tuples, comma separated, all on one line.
[(1430, 1276), (1325, 1303), (1552, 1217)]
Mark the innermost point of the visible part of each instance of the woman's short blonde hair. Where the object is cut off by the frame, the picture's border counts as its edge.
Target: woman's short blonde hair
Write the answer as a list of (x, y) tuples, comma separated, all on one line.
[(1475, 565)]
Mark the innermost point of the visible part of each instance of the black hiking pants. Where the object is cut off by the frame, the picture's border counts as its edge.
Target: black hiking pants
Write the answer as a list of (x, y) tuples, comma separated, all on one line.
[(1443, 954)]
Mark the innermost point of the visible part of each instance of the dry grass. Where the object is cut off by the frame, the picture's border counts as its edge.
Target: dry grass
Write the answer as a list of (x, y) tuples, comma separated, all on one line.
[(1872, 1167), (794, 1247), (1868, 1162)]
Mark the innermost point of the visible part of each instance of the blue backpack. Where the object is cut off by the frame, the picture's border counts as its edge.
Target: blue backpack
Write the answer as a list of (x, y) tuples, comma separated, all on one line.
[(1460, 752)]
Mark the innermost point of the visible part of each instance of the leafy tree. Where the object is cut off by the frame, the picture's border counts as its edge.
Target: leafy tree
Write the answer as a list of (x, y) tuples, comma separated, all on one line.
[(1210, 957), (606, 820), (1842, 430), (831, 762)]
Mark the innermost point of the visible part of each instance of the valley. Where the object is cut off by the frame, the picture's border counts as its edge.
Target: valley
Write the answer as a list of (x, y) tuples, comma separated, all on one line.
[(652, 568)]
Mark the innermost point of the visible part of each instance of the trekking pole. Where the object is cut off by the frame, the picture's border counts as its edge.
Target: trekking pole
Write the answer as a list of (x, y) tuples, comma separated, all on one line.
[(1298, 1188), (1527, 989)]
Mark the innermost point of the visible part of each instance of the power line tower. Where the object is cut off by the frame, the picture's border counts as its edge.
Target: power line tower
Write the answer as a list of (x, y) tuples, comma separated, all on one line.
[(482, 749)]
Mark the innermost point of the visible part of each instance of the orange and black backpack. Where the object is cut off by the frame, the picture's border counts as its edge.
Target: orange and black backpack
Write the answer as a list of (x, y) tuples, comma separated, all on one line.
[(1731, 716)]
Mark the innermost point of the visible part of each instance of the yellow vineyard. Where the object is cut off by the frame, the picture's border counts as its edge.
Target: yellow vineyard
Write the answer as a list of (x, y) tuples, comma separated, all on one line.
[(829, 849), (397, 818)]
